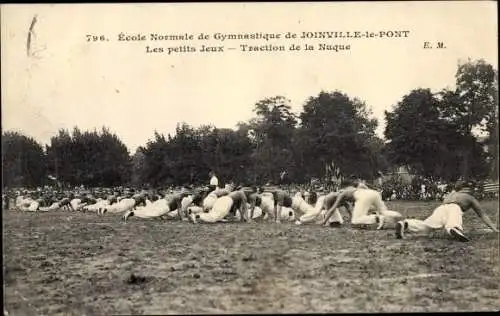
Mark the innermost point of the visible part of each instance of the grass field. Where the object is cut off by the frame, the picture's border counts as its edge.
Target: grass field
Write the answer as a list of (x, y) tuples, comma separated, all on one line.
[(82, 264)]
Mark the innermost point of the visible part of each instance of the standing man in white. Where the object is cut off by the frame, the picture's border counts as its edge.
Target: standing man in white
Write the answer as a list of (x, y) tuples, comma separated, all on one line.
[(214, 181)]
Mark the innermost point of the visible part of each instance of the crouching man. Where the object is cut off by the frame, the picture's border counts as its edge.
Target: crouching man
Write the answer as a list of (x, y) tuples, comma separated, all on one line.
[(448, 216), (364, 201), (224, 205), (160, 207)]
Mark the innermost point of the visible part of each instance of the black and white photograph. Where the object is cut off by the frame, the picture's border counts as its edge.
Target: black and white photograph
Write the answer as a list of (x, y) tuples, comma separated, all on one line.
[(250, 158)]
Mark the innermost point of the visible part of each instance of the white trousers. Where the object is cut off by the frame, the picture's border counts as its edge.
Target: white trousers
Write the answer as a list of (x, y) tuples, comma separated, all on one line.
[(33, 206), (257, 212), (363, 201), (267, 204), (156, 209), (186, 202), (287, 213), (53, 207), (95, 207), (445, 216), (314, 213), (174, 214), (266, 207), (219, 210), (193, 209), (123, 206), (299, 205), (391, 217), (77, 204), (209, 201), (24, 204), (335, 218)]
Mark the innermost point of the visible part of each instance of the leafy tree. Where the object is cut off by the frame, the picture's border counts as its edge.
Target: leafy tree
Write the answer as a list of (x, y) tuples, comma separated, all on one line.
[(89, 158), (470, 109), (417, 135), (188, 155), (436, 134), (272, 135), (159, 165), (23, 160), (460, 145), (477, 89), (335, 128), (138, 168)]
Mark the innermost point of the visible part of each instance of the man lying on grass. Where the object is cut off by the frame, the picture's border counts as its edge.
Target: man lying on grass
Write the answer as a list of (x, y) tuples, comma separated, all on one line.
[(448, 216)]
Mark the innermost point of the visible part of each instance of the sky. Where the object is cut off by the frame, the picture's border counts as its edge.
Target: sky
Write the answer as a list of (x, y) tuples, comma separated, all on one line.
[(66, 81)]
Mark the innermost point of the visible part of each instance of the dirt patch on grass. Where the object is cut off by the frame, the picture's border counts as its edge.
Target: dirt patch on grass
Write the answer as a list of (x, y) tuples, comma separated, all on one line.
[(60, 263)]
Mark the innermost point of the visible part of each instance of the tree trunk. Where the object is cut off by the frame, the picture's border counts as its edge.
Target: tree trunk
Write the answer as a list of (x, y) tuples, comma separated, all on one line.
[(465, 165), (495, 162), (466, 151)]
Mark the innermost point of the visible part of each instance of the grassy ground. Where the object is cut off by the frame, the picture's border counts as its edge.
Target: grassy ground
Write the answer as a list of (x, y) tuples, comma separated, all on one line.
[(82, 264)]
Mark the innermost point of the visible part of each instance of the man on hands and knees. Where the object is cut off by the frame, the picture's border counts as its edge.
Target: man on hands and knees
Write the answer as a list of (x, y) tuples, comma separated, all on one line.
[(160, 207), (210, 199), (336, 220), (196, 200), (126, 204), (364, 200), (281, 199), (448, 216), (263, 201), (224, 205), (65, 204), (253, 199)]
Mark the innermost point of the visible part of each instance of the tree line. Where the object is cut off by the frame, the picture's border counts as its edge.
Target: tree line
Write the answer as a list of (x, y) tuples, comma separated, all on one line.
[(433, 134)]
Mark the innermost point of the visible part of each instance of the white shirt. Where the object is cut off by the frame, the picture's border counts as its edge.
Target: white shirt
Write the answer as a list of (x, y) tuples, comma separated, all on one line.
[(214, 181)]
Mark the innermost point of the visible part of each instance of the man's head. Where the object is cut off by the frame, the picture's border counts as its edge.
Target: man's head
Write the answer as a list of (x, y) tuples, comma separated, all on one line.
[(229, 186), (464, 186), (347, 183), (313, 197)]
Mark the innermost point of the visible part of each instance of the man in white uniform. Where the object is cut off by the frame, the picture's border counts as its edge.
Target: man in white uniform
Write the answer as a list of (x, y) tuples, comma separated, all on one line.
[(214, 181)]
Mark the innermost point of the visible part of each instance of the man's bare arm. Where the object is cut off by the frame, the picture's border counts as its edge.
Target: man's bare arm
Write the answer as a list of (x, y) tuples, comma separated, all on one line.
[(348, 206), (252, 207), (482, 215), (277, 208), (244, 211), (329, 213), (180, 212)]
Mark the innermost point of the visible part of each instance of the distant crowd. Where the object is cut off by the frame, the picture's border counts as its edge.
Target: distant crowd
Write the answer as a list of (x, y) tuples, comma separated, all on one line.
[(423, 189)]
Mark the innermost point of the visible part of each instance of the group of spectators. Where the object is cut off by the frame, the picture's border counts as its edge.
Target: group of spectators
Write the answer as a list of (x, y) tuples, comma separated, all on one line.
[(424, 189)]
